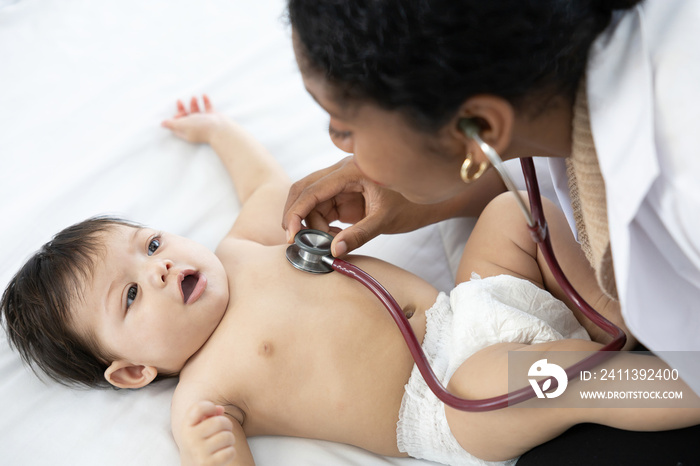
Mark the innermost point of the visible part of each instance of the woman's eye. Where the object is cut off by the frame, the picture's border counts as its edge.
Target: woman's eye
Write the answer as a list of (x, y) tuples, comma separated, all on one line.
[(131, 295), (334, 133), (153, 245)]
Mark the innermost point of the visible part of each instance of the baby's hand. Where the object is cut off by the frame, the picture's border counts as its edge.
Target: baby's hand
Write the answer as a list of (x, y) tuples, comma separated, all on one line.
[(195, 126), (207, 436)]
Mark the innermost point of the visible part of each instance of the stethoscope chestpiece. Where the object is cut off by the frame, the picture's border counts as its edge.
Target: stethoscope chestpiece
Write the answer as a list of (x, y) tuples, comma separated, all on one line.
[(308, 250)]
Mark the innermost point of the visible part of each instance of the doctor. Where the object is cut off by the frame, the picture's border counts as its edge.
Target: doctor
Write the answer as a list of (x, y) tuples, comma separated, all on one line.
[(608, 90)]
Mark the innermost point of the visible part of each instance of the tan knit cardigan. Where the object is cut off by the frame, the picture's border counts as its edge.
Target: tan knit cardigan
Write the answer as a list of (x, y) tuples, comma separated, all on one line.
[(587, 191)]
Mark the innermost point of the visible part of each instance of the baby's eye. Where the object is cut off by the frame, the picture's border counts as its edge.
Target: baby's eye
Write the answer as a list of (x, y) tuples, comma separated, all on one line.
[(131, 295), (153, 245)]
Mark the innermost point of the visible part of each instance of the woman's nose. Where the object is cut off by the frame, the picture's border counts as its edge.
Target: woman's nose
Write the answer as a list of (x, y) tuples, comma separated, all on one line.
[(346, 145), (344, 142)]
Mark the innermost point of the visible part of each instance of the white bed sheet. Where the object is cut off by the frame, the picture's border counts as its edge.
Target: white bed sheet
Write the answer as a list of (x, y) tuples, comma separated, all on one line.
[(83, 88)]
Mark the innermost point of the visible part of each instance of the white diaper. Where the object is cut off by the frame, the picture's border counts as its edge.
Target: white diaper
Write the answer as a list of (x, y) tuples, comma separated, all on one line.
[(477, 314)]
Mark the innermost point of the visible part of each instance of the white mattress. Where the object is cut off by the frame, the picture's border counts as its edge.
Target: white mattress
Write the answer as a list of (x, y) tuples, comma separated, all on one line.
[(84, 86)]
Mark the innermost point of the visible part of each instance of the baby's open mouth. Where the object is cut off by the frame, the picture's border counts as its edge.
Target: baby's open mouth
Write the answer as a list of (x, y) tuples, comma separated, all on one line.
[(192, 285)]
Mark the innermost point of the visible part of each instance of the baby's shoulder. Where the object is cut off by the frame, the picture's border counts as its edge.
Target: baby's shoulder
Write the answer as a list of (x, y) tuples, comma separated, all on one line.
[(238, 254), (191, 390), (184, 397), (232, 247)]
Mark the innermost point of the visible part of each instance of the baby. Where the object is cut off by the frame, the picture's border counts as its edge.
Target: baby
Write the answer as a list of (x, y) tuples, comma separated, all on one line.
[(262, 348)]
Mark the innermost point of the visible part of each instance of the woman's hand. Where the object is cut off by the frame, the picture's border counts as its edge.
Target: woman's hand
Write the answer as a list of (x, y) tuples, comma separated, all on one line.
[(195, 126), (342, 193)]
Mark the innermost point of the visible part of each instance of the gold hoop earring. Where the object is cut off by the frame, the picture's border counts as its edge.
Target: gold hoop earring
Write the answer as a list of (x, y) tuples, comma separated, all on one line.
[(467, 165)]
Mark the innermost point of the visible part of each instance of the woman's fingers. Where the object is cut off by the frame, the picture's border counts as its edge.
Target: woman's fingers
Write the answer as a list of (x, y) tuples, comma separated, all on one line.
[(356, 235), (307, 194), (339, 192), (317, 221)]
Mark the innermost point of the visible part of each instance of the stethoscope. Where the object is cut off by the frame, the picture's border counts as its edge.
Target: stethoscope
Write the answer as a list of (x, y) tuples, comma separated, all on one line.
[(311, 252)]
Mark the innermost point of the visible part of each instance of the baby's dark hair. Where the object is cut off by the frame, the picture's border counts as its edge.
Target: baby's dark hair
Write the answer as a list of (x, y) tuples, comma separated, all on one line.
[(426, 57), (36, 306)]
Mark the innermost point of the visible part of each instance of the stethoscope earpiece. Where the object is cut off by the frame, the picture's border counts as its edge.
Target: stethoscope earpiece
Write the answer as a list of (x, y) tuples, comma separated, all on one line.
[(469, 127)]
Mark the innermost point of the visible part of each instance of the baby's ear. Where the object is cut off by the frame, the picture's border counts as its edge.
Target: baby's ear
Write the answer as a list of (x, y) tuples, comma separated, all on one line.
[(124, 374)]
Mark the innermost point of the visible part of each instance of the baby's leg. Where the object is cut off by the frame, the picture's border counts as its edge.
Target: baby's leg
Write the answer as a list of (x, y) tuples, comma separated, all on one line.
[(509, 432), (501, 244)]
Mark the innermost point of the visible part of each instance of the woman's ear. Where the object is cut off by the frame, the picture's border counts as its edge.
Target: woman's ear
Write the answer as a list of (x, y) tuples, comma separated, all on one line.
[(494, 116), (124, 374)]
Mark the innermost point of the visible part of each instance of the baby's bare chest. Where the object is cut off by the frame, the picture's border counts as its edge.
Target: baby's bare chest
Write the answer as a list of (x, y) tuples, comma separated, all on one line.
[(295, 363)]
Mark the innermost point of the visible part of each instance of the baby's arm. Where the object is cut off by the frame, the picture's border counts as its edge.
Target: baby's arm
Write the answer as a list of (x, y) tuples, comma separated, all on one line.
[(206, 436), (260, 182)]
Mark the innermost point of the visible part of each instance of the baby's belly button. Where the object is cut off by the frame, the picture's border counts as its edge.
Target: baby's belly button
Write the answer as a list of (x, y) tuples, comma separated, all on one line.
[(409, 310), (266, 349)]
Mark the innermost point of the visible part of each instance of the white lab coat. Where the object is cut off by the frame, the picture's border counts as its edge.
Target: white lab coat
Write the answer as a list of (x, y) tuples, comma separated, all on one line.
[(643, 84)]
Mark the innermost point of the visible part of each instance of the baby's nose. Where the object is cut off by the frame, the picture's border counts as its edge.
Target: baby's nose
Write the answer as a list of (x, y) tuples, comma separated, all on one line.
[(164, 270)]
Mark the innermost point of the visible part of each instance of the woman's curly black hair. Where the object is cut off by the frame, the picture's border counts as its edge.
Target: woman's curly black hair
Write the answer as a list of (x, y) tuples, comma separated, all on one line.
[(426, 57)]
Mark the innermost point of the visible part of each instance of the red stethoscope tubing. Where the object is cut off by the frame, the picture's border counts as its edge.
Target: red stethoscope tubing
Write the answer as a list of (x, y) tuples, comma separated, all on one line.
[(541, 236)]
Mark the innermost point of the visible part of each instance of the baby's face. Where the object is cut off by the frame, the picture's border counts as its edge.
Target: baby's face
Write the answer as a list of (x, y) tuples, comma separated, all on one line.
[(155, 298)]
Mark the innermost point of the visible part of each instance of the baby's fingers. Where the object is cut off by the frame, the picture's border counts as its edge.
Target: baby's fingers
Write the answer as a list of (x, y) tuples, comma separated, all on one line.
[(224, 456), (194, 105), (208, 107), (220, 441), (181, 110), (174, 126), (213, 426), (202, 410)]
